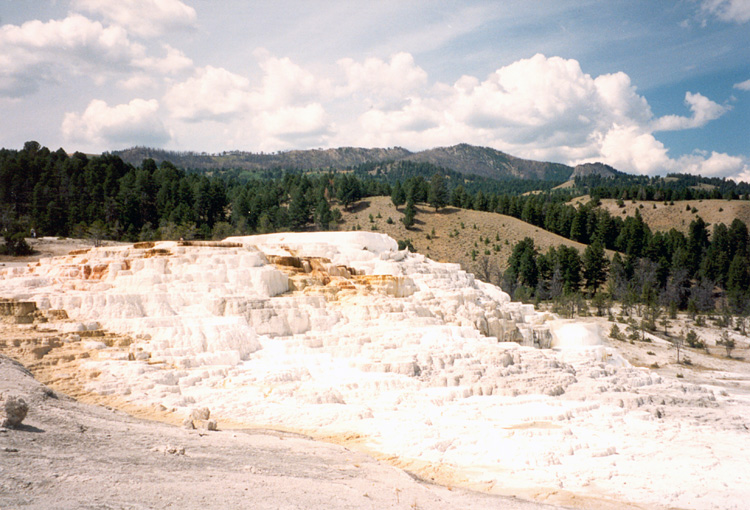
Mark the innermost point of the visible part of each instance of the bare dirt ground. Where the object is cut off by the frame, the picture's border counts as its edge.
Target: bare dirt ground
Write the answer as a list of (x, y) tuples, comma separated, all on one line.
[(663, 217), (48, 247), (451, 234)]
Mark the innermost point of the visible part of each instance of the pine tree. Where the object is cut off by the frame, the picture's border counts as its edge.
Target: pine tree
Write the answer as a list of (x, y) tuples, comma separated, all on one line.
[(409, 214), (299, 210), (398, 195), (595, 266), (438, 194), (323, 214)]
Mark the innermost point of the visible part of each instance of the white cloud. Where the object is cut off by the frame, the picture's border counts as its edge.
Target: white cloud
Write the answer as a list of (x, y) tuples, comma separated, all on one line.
[(283, 108), (382, 81), (36, 52), (123, 125), (534, 107), (744, 85), (293, 120), (704, 110), (631, 149), (715, 165), (737, 11), (173, 62), (147, 18), (285, 83), (211, 94)]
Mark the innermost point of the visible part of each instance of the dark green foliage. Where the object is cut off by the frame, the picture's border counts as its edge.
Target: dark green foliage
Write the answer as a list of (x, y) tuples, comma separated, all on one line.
[(522, 265), (398, 195), (410, 213), (595, 265), (438, 194), (404, 244), (349, 190), (15, 244)]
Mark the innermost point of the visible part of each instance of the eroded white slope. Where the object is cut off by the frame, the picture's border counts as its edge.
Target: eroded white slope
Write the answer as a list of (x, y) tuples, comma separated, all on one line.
[(342, 334)]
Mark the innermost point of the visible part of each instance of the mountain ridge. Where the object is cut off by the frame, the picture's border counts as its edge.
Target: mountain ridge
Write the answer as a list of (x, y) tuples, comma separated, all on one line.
[(463, 158)]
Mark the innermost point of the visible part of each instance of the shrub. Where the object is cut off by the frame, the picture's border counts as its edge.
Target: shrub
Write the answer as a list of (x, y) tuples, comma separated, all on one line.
[(694, 341), (615, 332), (405, 244), (728, 343), (16, 245)]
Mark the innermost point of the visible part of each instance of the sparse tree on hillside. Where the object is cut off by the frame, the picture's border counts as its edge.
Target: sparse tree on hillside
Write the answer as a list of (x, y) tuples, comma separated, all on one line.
[(727, 342), (410, 214), (438, 194), (398, 195)]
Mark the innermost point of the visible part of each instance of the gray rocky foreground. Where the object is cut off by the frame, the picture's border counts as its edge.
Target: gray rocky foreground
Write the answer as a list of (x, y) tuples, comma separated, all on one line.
[(67, 455)]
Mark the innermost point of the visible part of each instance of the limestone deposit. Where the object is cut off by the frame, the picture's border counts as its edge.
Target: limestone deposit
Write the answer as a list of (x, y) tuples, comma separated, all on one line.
[(343, 336)]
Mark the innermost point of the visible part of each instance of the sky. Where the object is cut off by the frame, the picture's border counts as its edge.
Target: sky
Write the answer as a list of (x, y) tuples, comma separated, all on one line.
[(649, 87)]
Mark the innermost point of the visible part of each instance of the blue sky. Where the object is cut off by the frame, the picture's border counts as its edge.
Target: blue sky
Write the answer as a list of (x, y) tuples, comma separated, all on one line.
[(648, 87)]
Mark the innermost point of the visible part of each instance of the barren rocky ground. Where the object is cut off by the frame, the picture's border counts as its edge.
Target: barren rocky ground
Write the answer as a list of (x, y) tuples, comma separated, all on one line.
[(83, 453), (69, 455)]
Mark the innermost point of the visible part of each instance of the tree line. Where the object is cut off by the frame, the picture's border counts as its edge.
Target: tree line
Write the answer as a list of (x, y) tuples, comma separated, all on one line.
[(56, 194), (697, 272)]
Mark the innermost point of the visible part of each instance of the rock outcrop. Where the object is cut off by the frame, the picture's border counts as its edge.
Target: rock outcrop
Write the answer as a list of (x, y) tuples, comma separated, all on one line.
[(13, 410)]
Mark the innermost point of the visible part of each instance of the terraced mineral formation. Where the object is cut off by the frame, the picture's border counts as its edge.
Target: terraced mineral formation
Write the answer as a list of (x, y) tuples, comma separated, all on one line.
[(341, 335)]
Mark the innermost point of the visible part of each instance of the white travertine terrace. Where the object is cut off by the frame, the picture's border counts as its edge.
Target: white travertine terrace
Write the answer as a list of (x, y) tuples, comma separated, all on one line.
[(342, 334)]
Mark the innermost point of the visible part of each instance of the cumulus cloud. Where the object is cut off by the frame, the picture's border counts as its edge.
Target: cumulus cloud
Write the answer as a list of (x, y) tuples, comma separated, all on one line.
[(211, 94), (545, 105), (544, 108), (744, 85), (123, 125), (704, 110), (174, 61), (382, 81), (282, 108), (714, 165), (38, 52), (736, 11), (285, 82), (293, 123), (146, 18), (35, 51)]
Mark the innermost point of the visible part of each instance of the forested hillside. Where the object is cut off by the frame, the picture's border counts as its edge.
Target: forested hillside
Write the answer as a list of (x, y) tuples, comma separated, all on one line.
[(462, 159)]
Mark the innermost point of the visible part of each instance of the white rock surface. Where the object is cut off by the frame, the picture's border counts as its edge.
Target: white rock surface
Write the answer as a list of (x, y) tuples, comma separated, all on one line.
[(341, 334)]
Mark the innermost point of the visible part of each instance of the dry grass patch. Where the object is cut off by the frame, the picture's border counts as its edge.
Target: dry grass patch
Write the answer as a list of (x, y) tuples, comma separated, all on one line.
[(452, 234)]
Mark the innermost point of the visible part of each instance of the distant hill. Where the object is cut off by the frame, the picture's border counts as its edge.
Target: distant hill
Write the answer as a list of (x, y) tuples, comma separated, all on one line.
[(487, 162), (344, 157), (463, 158), (599, 169)]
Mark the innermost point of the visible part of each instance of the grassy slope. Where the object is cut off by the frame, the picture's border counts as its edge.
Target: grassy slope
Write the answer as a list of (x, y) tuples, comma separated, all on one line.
[(444, 248), (665, 217)]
